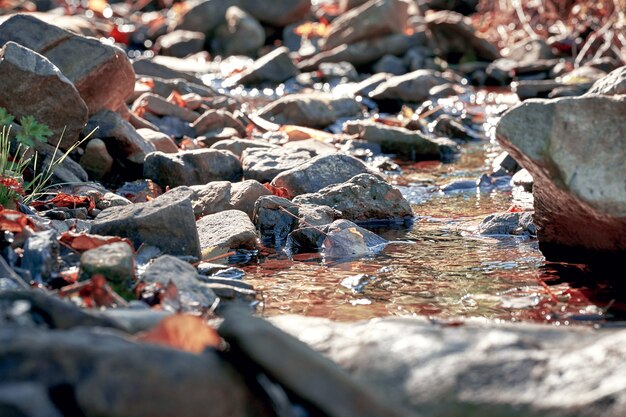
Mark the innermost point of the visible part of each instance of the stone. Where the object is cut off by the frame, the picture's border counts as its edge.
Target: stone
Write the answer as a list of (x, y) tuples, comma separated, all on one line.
[(313, 146), (397, 140), (413, 87), (390, 64), (67, 171), (528, 51), (316, 215), (573, 148), (227, 230), (240, 34), (522, 178), (264, 164), (33, 86), (278, 13), (203, 16), (193, 167), (159, 106), (218, 119), (507, 224), (96, 161), (364, 197), (180, 43), (454, 35), (237, 146), (362, 53), (612, 84), (166, 222), (26, 399), (343, 71), (101, 73), (150, 68), (114, 261), (345, 239), (437, 369), (41, 256), (506, 163), (275, 217), (210, 198), (372, 19), (318, 173), (120, 137), (274, 67), (243, 195), (161, 141), (450, 127), (309, 110), (110, 199)]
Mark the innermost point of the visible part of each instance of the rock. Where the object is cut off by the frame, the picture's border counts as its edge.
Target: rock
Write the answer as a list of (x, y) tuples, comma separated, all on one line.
[(120, 137), (522, 178), (191, 291), (390, 64), (203, 16), (449, 127), (361, 53), (218, 119), (413, 87), (114, 261), (180, 43), (243, 195), (528, 51), (101, 73), (26, 399), (96, 160), (448, 369), (274, 67), (161, 141), (275, 217), (159, 106), (237, 146), (507, 224), (41, 256), (342, 70), (67, 171), (579, 202), (264, 164), (309, 110), (328, 388), (313, 146), (277, 13), (241, 34), (77, 364), (193, 167), (227, 230), (455, 36), (612, 84), (218, 196), (149, 68), (372, 19), (364, 197), (318, 173), (526, 89), (369, 84), (33, 86), (112, 200), (398, 140), (345, 239), (506, 163), (166, 222)]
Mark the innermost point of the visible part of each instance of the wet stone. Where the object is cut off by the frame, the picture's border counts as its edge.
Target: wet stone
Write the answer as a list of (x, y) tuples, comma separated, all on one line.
[(508, 224), (345, 239), (41, 255), (114, 261), (275, 217), (226, 230), (413, 87)]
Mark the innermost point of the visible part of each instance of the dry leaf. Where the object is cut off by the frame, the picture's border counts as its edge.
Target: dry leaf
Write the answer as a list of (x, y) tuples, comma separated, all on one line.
[(184, 332)]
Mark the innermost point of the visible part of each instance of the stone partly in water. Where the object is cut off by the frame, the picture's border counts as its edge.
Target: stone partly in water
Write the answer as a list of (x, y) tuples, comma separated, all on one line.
[(364, 197), (345, 239), (223, 195), (181, 43), (318, 173), (275, 217), (226, 230), (413, 87), (574, 150), (508, 224)]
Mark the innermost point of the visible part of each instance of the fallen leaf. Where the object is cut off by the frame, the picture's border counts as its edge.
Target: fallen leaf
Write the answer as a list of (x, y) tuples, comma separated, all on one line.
[(295, 133), (67, 200), (184, 332), (83, 241), (176, 98), (14, 221), (278, 191)]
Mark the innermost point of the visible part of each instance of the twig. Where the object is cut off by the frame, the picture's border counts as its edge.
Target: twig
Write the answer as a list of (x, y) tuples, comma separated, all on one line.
[(519, 10), (591, 40)]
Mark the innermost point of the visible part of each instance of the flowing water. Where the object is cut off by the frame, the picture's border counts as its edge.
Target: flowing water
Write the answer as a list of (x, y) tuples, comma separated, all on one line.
[(444, 269)]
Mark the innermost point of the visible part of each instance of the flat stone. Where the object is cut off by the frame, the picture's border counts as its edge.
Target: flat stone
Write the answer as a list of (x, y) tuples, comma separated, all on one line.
[(161, 141), (114, 261), (309, 110), (166, 222), (159, 106), (264, 164), (180, 43), (413, 87), (274, 67), (230, 229), (212, 120), (237, 146)]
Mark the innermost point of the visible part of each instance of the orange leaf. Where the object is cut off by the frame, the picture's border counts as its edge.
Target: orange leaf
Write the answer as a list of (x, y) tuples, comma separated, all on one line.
[(184, 332), (176, 98), (82, 241), (295, 133), (14, 221), (278, 191), (67, 200)]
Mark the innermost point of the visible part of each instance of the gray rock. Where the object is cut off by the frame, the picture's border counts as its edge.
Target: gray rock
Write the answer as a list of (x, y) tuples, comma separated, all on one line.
[(264, 164), (315, 214), (505, 162), (166, 222), (192, 293), (390, 64), (449, 127), (180, 43), (371, 20), (243, 195), (218, 119), (26, 399), (398, 140), (161, 141), (318, 173), (101, 73), (10, 279), (148, 67), (114, 261), (507, 224), (412, 87), (314, 147), (369, 84), (226, 230), (33, 86), (345, 239), (573, 149), (309, 110), (193, 167), (522, 178), (68, 170), (41, 255), (274, 67), (275, 217), (441, 370), (96, 161), (204, 16), (277, 13), (120, 136), (159, 106), (237, 146), (112, 200), (240, 34), (612, 84), (362, 198), (528, 51), (210, 198)]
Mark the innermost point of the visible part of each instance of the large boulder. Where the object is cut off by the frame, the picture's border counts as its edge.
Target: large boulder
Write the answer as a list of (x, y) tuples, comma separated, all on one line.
[(309, 110), (101, 73), (362, 198), (574, 150), (319, 172), (33, 86)]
